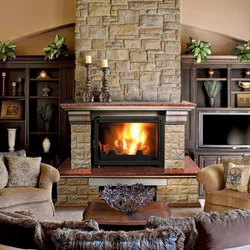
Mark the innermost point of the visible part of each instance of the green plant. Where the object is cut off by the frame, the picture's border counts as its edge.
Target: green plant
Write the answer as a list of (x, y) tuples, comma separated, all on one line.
[(199, 49), (212, 87), (7, 49), (243, 51), (46, 112), (56, 49)]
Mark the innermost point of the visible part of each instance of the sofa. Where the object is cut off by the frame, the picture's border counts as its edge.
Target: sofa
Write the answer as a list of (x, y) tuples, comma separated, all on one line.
[(26, 184), (229, 230), (217, 196)]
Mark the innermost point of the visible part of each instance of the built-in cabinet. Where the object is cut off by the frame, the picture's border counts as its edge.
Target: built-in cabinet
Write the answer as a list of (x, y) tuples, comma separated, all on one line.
[(32, 77), (208, 138)]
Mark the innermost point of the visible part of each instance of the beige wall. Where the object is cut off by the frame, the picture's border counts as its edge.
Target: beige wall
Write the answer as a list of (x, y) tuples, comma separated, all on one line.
[(34, 23)]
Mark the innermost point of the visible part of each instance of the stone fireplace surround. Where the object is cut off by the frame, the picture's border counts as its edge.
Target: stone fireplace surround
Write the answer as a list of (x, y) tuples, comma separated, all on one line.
[(176, 182)]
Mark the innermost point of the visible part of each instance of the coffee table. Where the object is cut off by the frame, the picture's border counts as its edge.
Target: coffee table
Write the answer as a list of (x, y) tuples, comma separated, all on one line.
[(109, 218)]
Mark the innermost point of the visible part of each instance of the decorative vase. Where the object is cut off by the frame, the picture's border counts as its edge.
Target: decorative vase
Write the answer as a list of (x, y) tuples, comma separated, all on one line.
[(211, 101), (46, 145), (11, 138), (46, 126)]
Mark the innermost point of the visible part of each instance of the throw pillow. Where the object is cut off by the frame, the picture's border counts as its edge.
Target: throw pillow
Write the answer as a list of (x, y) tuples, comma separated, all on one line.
[(21, 231), (219, 231), (186, 225), (23, 171), (161, 238), (15, 153), (226, 161), (3, 174), (238, 177)]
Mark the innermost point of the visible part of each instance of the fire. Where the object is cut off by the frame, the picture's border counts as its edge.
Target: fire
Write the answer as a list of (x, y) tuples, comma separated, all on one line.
[(128, 139)]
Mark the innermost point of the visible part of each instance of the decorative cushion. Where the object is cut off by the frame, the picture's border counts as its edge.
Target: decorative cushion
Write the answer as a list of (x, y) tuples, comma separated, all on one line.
[(226, 161), (161, 238), (15, 153), (186, 225), (23, 171), (238, 177), (21, 231), (219, 231), (3, 174)]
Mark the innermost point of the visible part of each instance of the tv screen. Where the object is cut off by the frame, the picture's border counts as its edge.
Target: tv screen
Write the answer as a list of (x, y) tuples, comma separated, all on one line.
[(224, 130)]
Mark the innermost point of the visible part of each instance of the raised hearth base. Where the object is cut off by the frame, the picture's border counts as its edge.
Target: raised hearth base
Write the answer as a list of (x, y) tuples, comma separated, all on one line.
[(177, 187)]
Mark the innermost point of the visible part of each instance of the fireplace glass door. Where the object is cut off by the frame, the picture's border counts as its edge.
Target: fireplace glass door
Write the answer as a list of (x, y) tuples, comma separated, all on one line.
[(127, 141)]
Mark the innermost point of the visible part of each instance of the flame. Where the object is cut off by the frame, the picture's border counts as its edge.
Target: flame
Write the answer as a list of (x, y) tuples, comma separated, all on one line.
[(128, 139)]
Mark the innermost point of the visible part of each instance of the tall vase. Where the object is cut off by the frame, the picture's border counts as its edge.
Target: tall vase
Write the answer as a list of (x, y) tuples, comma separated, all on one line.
[(11, 138), (211, 101)]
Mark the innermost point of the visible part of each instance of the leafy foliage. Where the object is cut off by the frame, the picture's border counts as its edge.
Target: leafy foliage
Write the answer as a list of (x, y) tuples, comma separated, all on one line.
[(212, 87), (46, 112), (243, 51), (199, 49), (56, 49), (7, 49)]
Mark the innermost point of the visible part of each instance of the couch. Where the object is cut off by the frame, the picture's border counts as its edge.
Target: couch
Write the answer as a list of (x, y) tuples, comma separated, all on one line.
[(229, 230), (217, 197), (37, 198)]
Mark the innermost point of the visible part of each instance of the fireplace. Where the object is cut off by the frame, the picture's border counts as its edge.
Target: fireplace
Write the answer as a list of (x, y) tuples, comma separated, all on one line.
[(127, 141)]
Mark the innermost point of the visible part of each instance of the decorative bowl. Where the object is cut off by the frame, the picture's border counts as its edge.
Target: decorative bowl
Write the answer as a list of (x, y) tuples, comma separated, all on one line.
[(128, 199)]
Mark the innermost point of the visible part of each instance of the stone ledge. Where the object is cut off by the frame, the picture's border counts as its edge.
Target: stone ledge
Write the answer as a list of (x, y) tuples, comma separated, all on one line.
[(190, 170)]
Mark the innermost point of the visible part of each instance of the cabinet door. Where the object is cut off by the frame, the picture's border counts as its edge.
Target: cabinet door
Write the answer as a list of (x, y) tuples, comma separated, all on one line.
[(204, 161)]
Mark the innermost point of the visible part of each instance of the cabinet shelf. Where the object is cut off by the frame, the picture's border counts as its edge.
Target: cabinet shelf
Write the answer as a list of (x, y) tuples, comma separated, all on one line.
[(44, 79), (12, 97), (240, 79), (11, 121), (44, 133), (44, 97), (211, 79)]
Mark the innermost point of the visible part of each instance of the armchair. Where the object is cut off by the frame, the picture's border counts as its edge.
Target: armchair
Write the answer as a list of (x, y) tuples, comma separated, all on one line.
[(37, 200), (217, 198)]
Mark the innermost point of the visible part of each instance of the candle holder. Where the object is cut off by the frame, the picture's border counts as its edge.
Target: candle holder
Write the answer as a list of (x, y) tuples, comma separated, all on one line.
[(105, 95), (14, 88), (20, 86), (87, 94), (3, 83)]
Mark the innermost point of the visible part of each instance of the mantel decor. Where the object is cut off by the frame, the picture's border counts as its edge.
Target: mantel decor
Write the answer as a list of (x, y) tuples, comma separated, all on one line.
[(128, 199)]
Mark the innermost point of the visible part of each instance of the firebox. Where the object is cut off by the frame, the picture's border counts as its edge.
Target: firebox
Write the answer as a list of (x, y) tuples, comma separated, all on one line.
[(128, 141)]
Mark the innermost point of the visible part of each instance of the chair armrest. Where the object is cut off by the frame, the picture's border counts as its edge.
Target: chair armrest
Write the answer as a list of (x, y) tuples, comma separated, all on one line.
[(212, 177), (48, 175)]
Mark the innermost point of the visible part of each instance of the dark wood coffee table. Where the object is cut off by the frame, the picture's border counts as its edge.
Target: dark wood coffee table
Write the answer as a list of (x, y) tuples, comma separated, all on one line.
[(109, 218)]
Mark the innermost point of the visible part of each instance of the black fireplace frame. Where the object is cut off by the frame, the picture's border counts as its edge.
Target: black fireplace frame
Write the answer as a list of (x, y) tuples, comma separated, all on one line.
[(124, 159)]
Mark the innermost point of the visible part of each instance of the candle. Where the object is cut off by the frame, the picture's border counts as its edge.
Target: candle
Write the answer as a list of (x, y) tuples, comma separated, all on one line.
[(3, 74), (14, 84), (104, 63), (88, 59)]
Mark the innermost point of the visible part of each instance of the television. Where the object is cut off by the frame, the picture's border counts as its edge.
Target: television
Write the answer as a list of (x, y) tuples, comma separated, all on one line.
[(224, 129)]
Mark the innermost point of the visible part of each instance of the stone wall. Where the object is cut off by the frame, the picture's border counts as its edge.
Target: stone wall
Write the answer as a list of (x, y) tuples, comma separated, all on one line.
[(140, 39), (75, 190)]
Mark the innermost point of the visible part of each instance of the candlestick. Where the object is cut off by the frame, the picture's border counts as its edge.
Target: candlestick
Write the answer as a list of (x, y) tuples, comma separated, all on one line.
[(104, 63), (14, 88), (88, 59), (3, 83), (87, 94), (20, 87), (105, 95)]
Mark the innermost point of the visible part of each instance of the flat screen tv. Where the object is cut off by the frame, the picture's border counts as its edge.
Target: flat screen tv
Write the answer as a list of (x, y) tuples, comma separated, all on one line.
[(224, 129)]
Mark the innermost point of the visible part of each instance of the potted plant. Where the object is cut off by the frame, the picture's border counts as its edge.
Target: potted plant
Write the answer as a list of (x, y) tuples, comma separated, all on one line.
[(243, 51), (199, 49), (56, 49), (212, 88), (7, 49), (46, 113)]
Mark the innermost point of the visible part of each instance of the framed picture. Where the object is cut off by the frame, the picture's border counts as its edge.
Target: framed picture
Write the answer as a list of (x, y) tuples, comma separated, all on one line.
[(11, 110), (243, 100)]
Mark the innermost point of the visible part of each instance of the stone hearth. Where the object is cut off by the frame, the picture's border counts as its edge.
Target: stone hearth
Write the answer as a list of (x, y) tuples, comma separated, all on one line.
[(176, 182)]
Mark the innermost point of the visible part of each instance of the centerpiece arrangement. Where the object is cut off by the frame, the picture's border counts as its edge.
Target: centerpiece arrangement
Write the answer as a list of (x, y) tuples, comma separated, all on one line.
[(128, 199)]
